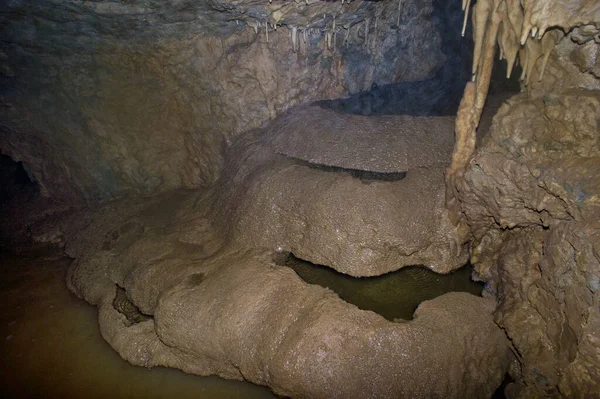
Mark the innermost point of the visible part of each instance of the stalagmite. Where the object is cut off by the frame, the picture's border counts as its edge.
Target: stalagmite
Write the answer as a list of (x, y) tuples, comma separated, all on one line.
[(465, 141), (328, 39), (267, 31), (366, 43)]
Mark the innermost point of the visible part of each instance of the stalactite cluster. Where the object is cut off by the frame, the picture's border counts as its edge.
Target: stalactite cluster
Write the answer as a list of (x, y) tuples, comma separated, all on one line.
[(525, 31)]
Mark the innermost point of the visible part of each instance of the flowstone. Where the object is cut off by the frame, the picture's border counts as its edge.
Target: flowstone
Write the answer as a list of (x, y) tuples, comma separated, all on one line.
[(238, 315), (298, 190), (217, 303)]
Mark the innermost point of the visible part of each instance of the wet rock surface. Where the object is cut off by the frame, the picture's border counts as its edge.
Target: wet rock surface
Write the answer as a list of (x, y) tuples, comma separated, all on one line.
[(376, 144), (531, 199), (361, 227), (239, 315), (219, 304)]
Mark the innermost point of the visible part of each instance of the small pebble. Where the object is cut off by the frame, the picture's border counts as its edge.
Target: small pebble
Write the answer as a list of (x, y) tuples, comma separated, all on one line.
[(12, 323), (9, 337)]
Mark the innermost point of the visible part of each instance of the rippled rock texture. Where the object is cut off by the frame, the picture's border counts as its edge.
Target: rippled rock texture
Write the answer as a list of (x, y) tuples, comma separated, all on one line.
[(531, 198), (102, 99)]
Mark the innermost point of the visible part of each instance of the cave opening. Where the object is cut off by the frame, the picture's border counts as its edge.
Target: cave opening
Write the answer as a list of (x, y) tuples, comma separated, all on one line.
[(395, 295)]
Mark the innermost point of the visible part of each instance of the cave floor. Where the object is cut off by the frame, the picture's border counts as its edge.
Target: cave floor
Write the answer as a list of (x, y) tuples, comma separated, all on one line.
[(52, 347)]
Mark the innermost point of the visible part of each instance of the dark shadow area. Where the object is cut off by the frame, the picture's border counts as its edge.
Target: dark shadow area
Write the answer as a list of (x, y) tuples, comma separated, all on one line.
[(14, 181), (394, 295), (440, 95), (364, 175), (22, 207), (500, 393)]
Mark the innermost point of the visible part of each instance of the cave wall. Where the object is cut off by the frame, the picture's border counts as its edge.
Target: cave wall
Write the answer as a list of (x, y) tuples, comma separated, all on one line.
[(102, 99), (527, 198)]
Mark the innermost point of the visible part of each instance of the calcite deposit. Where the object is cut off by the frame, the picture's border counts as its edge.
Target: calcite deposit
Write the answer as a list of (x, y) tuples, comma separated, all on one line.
[(355, 193), (239, 315), (147, 100), (189, 280), (527, 198)]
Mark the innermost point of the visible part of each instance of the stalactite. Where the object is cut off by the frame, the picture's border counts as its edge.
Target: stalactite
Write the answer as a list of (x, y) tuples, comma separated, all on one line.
[(347, 36), (548, 43), (294, 33), (398, 13), (519, 28), (466, 5), (481, 15), (267, 31)]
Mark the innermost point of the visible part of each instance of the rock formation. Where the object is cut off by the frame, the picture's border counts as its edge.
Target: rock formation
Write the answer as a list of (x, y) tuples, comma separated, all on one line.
[(526, 200), (105, 100), (355, 193), (114, 98), (237, 314)]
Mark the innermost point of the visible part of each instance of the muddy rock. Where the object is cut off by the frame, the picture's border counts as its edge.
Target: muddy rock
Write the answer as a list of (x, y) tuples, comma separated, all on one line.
[(531, 197), (362, 215), (240, 316)]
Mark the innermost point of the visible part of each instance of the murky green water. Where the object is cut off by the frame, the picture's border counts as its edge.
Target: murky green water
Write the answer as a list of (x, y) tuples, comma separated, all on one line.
[(50, 346), (394, 295)]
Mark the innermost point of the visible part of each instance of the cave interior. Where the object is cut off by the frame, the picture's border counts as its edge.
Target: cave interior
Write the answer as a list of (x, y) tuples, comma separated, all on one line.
[(304, 199)]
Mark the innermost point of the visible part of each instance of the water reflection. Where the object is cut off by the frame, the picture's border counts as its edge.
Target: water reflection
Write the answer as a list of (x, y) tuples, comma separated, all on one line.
[(51, 346)]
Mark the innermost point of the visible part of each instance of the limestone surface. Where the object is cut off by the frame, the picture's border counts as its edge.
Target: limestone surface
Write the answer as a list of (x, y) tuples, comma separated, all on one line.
[(530, 196), (239, 315), (357, 222), (382, 144), (104, 99)]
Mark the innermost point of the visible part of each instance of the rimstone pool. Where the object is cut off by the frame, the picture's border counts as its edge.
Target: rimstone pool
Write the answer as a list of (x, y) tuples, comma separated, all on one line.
[(394, 295)]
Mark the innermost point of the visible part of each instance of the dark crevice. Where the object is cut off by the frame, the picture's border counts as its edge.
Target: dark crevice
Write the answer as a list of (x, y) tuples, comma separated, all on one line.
[(395, 295), (123, 305), (15, 182), (500, 393), (365, 175)]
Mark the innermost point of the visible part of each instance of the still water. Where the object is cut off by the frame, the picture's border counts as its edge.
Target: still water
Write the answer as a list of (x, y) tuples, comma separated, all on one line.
[(394, 295), (50, 346)]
